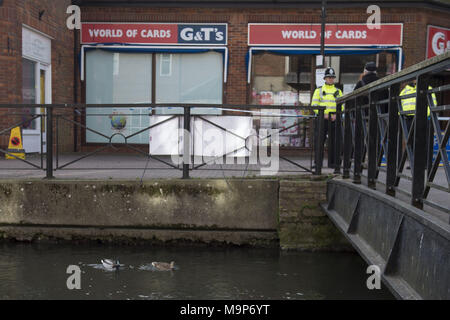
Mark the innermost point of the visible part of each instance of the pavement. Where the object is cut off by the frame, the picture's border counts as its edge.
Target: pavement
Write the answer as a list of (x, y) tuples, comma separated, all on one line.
[(137, 166)]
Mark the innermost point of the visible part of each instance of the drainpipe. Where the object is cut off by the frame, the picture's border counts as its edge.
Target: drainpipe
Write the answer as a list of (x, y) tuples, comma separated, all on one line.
[(75, 88)]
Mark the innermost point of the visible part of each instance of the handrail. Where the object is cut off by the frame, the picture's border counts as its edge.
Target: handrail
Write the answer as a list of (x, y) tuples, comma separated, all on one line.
[(52, 117), (368, 130), (403, 75)]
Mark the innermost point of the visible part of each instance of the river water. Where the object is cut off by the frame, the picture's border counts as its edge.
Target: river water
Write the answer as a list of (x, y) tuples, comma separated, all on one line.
[(38, 271)]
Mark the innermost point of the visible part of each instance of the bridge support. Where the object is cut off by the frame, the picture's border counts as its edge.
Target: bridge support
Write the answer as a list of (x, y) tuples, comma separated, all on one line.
[(411, 248)]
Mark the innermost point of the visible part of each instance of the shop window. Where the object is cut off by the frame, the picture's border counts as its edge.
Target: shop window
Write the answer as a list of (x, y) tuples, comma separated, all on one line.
[(123, 78), (194, 78), (282, 80), (118, 78), (352, 68)]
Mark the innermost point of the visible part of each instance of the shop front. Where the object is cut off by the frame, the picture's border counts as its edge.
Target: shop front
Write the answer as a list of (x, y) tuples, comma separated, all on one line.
[(143, 63), (281, 67)]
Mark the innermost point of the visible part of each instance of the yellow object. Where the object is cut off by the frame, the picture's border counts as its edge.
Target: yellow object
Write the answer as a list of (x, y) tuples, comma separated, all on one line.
[(325, 96), (15, 147), (410, 103)]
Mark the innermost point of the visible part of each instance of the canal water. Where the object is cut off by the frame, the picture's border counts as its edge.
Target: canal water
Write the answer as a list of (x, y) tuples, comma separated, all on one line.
[(38, 271)]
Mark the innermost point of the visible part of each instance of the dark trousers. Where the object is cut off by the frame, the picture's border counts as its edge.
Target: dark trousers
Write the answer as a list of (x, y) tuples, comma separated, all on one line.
[(326, 137)]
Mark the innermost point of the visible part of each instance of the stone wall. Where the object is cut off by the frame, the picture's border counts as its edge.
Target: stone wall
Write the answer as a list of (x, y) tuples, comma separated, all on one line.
[(258, 212), (302, 223)]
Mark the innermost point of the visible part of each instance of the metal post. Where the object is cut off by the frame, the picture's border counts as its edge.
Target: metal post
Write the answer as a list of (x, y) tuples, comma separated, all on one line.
[(359, 136), (186, 142), (420, 143), (330, 142), (318, 134), (49, 142), (338, 139), (347, 141), (392, 136), (322, 31), (373, 141)]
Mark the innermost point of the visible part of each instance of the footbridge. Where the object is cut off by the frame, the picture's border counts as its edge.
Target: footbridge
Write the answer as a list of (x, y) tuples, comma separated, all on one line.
[(390, 197)]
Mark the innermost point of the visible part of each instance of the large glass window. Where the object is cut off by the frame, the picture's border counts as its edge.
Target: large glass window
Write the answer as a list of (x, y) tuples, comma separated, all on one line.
[(118, 78), (127, 78), (352, 67), (282, 80), (189, 78)]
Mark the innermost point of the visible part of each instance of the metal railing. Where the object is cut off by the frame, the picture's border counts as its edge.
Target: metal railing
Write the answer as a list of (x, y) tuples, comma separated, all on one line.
[(57, 116), (371, 126)]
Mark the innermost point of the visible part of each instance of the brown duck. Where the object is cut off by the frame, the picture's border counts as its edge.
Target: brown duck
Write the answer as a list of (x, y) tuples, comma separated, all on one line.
[(163, 266)]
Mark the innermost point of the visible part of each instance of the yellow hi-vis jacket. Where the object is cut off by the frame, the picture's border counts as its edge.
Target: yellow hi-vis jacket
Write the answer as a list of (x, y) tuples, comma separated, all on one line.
[(410, 103), (325, 96)]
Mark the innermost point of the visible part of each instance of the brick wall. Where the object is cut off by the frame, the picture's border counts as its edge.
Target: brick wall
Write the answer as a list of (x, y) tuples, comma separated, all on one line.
[(236, 90), (15, 13)]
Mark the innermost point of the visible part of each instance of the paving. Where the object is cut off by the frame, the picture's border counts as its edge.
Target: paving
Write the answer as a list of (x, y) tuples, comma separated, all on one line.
[(136, 166)]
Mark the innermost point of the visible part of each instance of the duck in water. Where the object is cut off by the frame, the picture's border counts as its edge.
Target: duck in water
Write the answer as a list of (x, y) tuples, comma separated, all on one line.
[(163, 266), (111, 264)]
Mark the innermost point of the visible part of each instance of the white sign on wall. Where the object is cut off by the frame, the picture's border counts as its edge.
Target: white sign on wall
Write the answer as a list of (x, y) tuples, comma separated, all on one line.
[(36, 46), (320, 73)]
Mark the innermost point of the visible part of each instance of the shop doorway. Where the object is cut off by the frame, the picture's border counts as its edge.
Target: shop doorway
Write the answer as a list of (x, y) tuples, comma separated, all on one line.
[(35, 90)]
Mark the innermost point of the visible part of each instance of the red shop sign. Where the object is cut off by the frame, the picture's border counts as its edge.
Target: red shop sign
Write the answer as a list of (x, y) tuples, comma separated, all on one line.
[(154, 33), (438, 41), (335, 35)]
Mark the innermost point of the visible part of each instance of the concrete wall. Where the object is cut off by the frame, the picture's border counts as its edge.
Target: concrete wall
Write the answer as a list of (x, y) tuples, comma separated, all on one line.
[(260, 212)]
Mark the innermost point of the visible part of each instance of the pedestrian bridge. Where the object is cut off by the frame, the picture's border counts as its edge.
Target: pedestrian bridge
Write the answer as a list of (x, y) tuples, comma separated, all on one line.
[(391, 199)]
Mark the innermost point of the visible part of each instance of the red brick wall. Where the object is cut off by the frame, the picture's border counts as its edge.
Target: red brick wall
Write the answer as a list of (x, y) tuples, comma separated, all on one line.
[(15, 13), (414, 32)]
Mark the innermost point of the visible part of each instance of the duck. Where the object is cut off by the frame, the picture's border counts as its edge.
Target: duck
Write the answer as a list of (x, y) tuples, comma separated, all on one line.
[(163, 266), (111, 264)]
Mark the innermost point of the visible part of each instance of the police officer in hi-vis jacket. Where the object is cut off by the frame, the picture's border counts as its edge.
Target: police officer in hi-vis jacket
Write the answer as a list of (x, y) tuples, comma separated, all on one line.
[(325, 96)]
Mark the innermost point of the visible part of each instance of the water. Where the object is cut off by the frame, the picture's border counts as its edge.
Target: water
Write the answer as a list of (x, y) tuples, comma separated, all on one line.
[(38, 271)]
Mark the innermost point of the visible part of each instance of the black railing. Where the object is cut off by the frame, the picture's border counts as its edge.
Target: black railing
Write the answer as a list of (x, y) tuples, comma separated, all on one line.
[(371, 125), (57, 117)]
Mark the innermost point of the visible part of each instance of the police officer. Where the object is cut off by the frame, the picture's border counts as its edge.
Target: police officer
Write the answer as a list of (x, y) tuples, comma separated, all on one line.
[(409, 104), (325, 96)]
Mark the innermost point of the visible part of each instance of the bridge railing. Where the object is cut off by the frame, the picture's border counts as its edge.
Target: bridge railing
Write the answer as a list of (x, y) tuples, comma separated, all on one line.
[(57, 118), (373, 133)]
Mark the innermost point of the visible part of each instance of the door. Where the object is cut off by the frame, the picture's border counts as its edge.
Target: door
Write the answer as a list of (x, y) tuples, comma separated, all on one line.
[(36, 90)]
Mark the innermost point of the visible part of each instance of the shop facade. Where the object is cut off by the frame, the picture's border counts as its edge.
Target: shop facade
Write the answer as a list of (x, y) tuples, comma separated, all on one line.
[(226, 52)]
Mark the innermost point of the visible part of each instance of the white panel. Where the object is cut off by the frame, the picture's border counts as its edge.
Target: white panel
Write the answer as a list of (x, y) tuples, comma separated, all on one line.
[(36, 46), (210, 140), (165, 139)]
